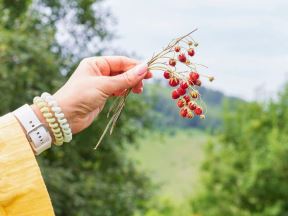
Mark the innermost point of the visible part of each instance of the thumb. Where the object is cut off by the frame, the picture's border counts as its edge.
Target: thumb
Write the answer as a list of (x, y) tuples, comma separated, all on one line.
[(126, 80)]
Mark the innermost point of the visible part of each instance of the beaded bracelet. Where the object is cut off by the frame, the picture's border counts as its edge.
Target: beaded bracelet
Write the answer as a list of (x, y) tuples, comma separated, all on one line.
[(63, 123), (50, 119)]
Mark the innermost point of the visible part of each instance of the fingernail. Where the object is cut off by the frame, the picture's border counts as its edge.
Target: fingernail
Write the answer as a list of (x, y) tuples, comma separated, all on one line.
[(141, 69)]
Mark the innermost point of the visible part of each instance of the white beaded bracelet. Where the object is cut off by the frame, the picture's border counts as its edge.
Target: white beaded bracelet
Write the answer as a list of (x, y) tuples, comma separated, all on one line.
[(63, 123)]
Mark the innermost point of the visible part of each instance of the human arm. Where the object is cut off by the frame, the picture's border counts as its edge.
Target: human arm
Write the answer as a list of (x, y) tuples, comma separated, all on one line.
[(81, 99)]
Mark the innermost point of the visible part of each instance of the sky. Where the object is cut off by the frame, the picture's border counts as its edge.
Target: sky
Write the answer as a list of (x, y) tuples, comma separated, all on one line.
[(244, 43)]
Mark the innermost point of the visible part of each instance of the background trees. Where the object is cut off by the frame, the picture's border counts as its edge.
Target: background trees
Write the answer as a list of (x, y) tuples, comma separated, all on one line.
[(245, 172)]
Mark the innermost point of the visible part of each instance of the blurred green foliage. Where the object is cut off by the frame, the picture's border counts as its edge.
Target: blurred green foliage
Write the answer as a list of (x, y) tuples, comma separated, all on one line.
[(245, 172), (80, 181)]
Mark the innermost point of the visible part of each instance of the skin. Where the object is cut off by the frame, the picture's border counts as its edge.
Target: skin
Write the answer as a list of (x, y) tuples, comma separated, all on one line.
[(96, 79)]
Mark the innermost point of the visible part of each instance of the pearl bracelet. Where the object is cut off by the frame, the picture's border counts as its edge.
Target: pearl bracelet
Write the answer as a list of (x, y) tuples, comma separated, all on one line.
[(50, 119), (63, 123)]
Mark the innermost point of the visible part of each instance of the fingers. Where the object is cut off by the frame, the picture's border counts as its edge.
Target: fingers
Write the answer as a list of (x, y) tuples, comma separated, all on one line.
[(109, 65), (138, 88), (125, 80), (148, 75)]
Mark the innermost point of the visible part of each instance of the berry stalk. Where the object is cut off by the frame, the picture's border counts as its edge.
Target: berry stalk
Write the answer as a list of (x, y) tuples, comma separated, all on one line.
[(176, 63)]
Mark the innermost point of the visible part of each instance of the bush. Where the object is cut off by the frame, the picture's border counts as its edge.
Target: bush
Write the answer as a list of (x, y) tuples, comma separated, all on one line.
[(245, 172)]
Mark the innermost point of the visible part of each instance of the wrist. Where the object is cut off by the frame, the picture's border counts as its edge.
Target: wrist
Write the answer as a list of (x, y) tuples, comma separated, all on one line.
[(65, 107), (42, 119), (50, 112), (36, 132)]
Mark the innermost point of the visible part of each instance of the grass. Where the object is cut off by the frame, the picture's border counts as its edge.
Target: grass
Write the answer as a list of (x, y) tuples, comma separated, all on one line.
[(172, 161)]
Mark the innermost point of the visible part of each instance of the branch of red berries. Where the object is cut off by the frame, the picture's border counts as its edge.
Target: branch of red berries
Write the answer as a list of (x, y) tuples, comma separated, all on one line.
[(176, 63)]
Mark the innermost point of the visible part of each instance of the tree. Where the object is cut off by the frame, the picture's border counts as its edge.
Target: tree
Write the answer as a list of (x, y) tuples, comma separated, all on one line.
[(32, 60), (245, 172)]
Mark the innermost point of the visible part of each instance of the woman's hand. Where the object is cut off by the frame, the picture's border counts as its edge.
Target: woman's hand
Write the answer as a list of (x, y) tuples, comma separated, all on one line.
[(96, 79)]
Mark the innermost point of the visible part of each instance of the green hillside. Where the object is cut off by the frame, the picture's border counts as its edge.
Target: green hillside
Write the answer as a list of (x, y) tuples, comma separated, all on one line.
[(165, 113), (172, 161)]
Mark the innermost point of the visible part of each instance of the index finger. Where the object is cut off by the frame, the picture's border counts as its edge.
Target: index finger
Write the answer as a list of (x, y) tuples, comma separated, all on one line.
[(114, 65)]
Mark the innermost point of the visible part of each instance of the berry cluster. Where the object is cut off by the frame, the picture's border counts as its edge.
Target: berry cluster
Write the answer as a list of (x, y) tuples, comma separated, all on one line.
[(180, 71), (186, 94), (175, 61)]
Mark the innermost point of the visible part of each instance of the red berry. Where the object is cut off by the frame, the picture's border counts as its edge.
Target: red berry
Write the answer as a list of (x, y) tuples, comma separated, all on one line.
[(177, 48), (181, 91), (194, 76), (198, 82), (186, 98), (191, 82), (172, 62), (194, 94), (173, 82), (191, 52), (166, 74), (184, 85), (182, 57), (198, 111), (180, 103), (192, 105), (189, 115), (183, 112), (175, 94)]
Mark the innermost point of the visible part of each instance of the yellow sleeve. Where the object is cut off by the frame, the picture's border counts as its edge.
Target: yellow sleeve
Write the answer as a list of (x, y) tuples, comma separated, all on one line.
[(22, 189)]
